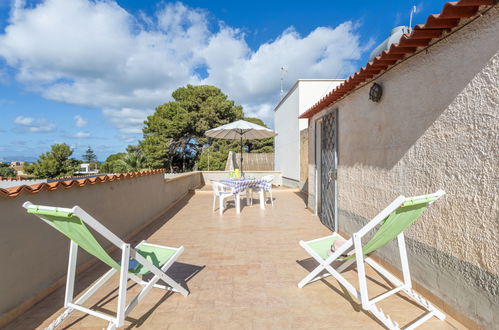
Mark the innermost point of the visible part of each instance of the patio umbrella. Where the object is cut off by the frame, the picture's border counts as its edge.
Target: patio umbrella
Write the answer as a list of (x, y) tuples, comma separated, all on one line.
[(240, 130)]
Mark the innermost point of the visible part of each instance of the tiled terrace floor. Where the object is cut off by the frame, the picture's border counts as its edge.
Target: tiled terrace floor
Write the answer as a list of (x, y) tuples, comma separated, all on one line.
[(244, 272)]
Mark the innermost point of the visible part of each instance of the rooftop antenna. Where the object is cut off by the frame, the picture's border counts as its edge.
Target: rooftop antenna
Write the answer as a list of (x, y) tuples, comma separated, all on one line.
[(283, 71), (413, 11)]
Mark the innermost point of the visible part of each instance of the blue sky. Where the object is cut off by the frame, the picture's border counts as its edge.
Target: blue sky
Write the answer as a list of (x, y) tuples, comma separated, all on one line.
[(87, 73)]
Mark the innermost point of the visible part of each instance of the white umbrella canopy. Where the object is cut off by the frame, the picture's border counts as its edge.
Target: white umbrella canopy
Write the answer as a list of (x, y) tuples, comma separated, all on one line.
[(240, 130)]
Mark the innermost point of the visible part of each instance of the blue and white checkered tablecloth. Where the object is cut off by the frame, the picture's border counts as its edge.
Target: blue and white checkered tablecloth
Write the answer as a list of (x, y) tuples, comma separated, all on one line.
[(239, 185)]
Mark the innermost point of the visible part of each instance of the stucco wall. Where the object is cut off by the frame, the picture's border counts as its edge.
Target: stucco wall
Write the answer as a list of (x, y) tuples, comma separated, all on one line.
[(437, 126), (36, 254)]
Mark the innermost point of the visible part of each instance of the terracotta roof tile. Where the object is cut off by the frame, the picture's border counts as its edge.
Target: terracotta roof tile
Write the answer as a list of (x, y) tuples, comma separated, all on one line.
[(67, 184), (421, 36)]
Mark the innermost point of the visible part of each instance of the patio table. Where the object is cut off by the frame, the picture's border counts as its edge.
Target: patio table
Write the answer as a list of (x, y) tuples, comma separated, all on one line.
[(239, 185)]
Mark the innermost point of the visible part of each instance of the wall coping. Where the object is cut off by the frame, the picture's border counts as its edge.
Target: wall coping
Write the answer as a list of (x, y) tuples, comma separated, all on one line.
[(181, 176), (67, 184)]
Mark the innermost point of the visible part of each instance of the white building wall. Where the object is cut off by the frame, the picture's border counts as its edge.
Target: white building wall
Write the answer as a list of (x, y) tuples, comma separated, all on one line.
[(287, 141), (310, 92), (303, 94)]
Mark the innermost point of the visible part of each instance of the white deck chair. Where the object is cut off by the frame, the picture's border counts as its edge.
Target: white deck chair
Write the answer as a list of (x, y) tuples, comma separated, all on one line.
[(221, 192), (397, 217), (144, 258)]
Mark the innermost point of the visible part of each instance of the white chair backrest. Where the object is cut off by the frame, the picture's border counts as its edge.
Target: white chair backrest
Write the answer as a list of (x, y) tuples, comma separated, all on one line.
[(268, 178), (218, 188)]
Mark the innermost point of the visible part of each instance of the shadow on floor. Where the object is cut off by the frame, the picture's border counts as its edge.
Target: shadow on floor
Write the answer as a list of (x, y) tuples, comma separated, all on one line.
[(303, 195), (310, 264), (179, 272), (231, 204)]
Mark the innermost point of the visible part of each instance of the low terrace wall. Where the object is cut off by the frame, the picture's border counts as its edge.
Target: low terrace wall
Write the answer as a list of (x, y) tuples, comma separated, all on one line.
[(36, 255)]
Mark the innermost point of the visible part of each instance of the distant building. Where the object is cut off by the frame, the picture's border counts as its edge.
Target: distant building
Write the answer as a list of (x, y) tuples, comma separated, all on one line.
[(87, 168), (292, 140), (18, 167)]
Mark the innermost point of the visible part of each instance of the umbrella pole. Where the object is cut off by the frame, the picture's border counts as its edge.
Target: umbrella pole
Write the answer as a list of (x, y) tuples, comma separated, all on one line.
[(241, 154)]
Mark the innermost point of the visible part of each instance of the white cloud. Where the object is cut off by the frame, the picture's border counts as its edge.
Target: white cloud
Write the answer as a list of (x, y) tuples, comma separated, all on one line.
[(77, 135), (80, 121), (96, 54), (127, 120), (81, 135), (128, 139), (25, 121), (262, 111), (253, 77), (34, 125)]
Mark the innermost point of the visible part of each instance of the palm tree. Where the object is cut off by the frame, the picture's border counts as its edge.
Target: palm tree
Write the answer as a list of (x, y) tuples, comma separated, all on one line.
[(133, 161)]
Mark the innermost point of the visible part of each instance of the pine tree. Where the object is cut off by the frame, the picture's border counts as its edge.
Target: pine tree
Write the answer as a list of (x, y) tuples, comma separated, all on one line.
[(89, 156)]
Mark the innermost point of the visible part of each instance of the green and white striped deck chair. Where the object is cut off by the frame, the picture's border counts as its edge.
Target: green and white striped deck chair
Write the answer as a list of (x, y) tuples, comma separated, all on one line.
[(396, 218), (143, 259)]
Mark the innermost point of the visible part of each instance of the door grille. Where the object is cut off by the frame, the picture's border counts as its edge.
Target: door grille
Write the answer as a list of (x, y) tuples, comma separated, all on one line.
[(328, 170)]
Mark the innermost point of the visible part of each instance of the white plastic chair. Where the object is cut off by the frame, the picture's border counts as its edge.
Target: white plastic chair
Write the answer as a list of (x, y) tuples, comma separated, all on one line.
[(269, 179), (220, 192)]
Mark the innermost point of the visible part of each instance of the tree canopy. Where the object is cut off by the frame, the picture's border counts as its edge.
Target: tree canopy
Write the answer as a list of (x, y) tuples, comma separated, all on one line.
[(54, 163), (132, 162), (7, 171), (112, 164), (262, 145), (214, 155), (174, 133)]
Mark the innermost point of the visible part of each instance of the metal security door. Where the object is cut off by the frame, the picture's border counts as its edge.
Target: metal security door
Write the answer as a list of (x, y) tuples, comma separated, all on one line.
[(329, 163)]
